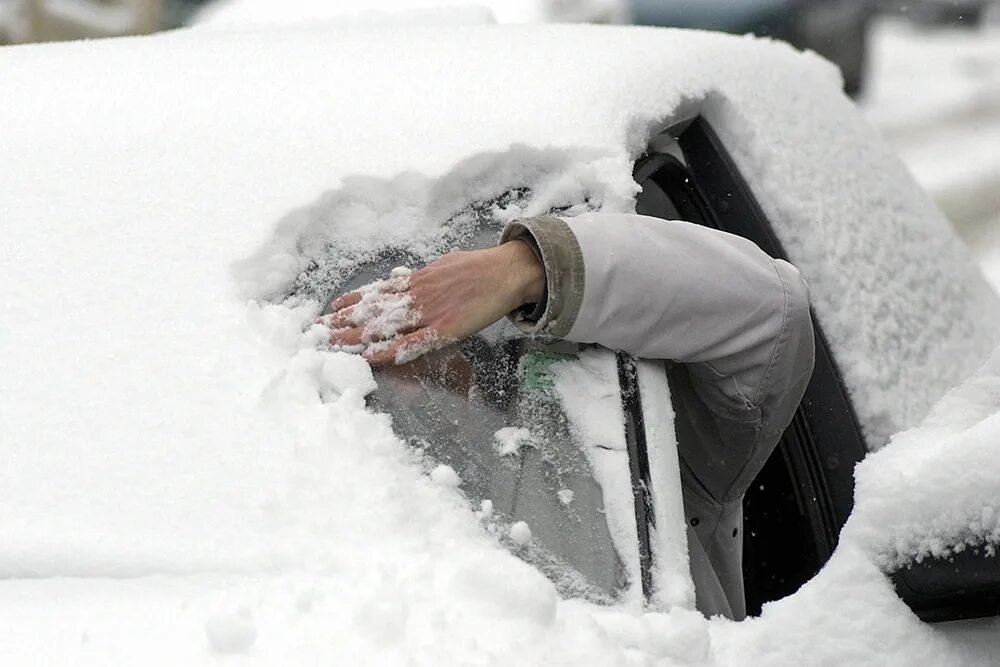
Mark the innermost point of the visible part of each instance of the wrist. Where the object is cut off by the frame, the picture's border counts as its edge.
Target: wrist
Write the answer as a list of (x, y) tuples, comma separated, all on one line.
[(525, 273)]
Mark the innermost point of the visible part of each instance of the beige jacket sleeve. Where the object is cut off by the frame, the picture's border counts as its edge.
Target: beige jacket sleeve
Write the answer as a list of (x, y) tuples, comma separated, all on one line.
[(738, 319)]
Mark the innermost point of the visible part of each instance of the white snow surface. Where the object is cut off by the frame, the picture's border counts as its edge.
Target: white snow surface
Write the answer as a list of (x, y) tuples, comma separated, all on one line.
[(587, 391), (247, 13), (935, 94), (229, 14), (177, 441)]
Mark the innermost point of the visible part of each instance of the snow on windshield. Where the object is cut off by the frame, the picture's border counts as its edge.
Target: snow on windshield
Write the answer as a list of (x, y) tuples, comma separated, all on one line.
[(176, 437)]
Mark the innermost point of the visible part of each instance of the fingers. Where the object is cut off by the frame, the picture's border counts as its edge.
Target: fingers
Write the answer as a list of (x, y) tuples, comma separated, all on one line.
[(397, 282), (348, 337), (382, 319), (345, 300), (340, 319), (374, 315), (406, 348)]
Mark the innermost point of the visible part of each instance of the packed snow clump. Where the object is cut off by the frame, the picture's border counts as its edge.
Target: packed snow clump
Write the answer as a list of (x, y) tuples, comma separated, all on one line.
[(444, 475), (520, 533), (510, 439)]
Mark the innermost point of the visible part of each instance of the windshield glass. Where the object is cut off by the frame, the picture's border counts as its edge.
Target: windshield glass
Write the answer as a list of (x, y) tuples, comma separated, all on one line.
[(489, 409)]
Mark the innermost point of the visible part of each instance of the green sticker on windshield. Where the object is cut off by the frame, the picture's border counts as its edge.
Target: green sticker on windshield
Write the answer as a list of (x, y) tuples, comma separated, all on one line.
[(536, 371)]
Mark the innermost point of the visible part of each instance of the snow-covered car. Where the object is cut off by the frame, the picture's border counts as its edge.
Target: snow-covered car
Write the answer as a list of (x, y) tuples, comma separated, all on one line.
[(188, 468)]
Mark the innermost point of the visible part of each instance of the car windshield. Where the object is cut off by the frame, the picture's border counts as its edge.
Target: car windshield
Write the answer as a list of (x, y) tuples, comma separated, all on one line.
[(489, 408)]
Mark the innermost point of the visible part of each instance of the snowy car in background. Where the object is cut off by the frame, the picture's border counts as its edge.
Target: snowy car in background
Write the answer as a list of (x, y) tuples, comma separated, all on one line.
[(939, 12), (190, 469), (836, 29)]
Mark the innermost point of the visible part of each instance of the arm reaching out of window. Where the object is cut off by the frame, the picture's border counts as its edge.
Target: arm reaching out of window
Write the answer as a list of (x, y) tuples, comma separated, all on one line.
[(737, 320)]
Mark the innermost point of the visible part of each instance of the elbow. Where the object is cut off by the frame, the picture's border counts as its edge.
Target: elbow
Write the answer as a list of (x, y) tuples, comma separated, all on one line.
[(797, 304), (797, 335)]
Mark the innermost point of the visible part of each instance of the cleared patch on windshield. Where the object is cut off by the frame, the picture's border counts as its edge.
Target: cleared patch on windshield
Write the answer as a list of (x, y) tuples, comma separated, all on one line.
[(489, 410)]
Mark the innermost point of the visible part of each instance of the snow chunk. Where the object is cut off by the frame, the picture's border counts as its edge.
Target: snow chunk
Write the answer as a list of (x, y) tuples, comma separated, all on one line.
[(520, 533), (486, 509), (400, 272), (445, 475), (509, 439), (313, 375), (565, 496), (230, 632)]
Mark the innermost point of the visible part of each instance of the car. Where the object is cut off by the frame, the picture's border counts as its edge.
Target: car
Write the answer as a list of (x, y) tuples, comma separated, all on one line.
[(191, 470), (836, 30), (945, 12)]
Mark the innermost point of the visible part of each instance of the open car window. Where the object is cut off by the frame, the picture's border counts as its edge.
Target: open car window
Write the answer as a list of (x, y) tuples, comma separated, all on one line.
[(801, 499)]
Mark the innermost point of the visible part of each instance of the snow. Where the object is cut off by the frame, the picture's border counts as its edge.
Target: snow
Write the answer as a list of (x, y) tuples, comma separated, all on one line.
[(228, 14), (247, 13), (935, 95), (510, 439), (923, 77), (177, 441), (985, 243), (520, 533), (673, 586), (231, 632), (933, 492), (588, 393), (446, 476)]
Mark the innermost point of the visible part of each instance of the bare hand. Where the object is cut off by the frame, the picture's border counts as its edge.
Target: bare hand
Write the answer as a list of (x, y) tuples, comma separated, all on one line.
[(405, 316)]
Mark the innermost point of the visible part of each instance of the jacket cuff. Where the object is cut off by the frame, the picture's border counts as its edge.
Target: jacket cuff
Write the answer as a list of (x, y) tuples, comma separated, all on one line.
[(556, 246)]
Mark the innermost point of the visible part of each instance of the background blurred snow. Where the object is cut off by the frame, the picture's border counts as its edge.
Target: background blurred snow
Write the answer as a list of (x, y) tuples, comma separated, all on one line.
[(935, 95)]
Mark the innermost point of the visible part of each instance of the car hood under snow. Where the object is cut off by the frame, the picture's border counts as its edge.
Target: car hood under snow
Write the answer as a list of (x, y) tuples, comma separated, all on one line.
[(168, 421)]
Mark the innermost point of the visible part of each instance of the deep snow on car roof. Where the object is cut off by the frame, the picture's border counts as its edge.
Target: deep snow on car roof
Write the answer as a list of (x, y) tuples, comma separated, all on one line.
[(162, 410)]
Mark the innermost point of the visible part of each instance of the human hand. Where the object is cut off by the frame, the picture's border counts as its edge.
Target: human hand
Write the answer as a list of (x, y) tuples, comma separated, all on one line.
[(398, 319)]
